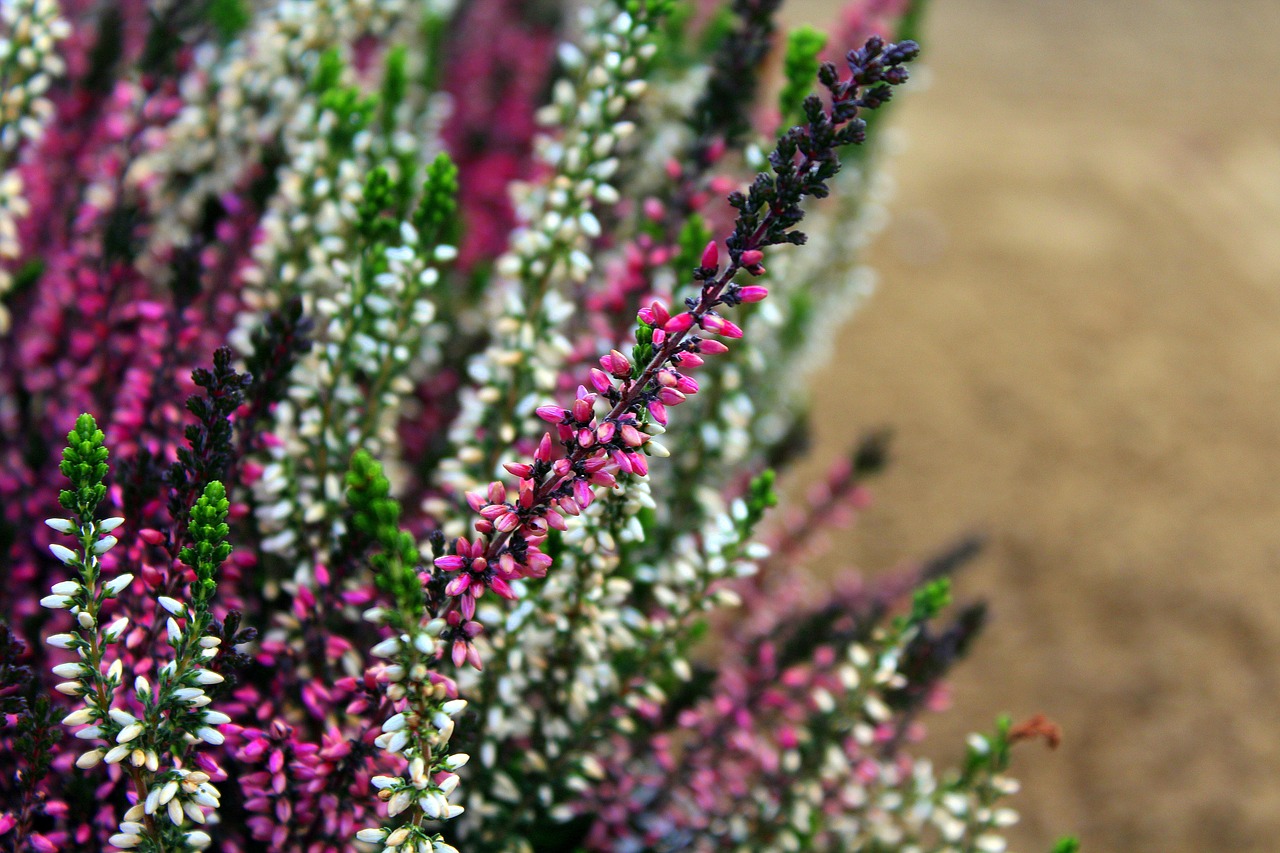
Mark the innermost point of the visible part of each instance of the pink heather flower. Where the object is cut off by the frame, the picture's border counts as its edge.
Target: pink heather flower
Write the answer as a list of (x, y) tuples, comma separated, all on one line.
[(711, 256)]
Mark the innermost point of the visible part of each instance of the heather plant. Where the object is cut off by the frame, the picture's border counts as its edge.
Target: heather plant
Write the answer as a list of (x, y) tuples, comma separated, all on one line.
[(428, 369)]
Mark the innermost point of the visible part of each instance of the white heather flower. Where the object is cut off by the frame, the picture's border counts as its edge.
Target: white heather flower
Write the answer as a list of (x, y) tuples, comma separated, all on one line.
[(70, 670), (372, 836), (207, 677), (119, 583), (989, 843), (56, 602), (105, 544), (129, 733), (62, 641), (210, 735), (125, 840), (117, 754), (89, 759), (198, 839), (64, 553), (61, 525), (78, 717), (124, 718), (399, 801), (65, 588), (177, 608)]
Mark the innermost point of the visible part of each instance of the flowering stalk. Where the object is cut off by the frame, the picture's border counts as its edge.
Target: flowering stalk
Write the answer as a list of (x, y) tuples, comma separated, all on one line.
[(551, 251), (422, 702), (270, 176), (640, 392), (173, 714), (29, 61)]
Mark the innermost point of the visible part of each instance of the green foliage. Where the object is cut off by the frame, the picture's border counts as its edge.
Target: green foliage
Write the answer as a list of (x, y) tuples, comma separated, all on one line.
[(800, 65), (1067, 844), (987, 754), (375, 523), (208, 531), (84, 463), (229, 17), (436, 216), (395, 83), (353, 112), (642, 352), (694, 237), (378, 196), (648, 10), (929, 600), (761, 496), (328, 71)]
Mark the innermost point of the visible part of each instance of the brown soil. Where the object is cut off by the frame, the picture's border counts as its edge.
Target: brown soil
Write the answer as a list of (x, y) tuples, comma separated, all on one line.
[(1077, 340)]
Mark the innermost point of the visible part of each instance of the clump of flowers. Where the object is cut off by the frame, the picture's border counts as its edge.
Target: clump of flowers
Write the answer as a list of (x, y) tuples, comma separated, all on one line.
[(440, 358)]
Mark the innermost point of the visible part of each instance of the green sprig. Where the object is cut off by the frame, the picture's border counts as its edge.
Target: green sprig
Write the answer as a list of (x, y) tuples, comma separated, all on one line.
[(208, 532), (84, 463), (375, 518), (804, 44), (436, 215)]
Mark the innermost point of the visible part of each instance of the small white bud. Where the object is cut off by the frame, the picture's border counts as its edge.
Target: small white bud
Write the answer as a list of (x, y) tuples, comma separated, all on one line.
[(210, 735), (78, 718), (119, 583), (64, 554), (89, 759), (61, 525), (123, 718), (177, 608), (129, 733), (62, 641)]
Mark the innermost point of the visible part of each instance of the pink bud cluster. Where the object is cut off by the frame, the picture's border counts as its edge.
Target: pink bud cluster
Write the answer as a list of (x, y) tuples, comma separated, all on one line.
[(596, 450)]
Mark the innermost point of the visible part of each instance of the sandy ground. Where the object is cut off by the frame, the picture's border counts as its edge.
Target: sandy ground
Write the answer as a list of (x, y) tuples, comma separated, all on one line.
[(1077, 339)]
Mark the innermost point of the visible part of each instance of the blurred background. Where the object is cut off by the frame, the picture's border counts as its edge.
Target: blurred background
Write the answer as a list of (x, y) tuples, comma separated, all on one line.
[(1076, 339)]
